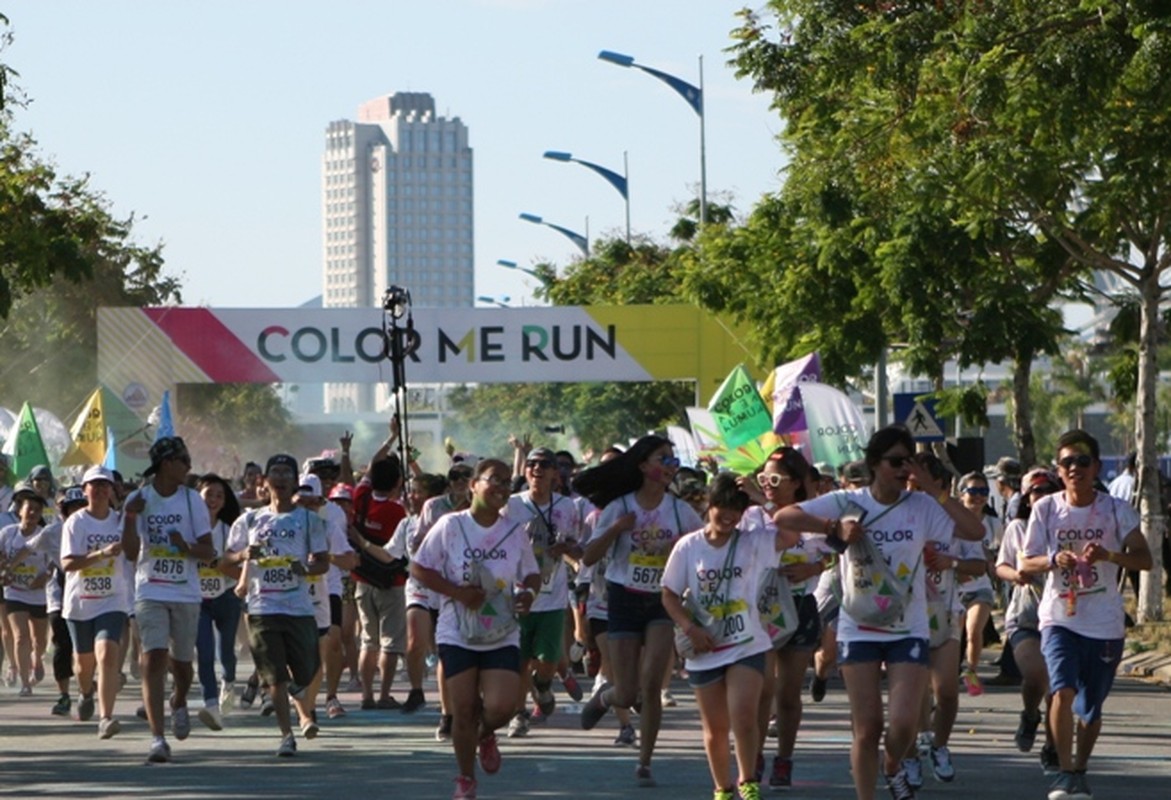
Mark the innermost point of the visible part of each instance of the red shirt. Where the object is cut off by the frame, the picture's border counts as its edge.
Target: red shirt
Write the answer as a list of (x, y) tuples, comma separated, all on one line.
[(376, 519)]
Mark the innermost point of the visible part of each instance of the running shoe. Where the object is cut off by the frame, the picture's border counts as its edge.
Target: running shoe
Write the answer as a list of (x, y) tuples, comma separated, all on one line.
[(771, 731), (941, 764), (668, 699), (288, 747), (465, 788), (108, 727), (914, 769), (817, 688), (159, 753), (518, 727), (643, 776), (1081, 787), (388, 704), (1063, 787), (248, 696), (545, 699), (749, 790), (38, 672), (85, 707), (443, 729), (577, 652), (26, 691), (334, 709), (10, 677), (415, 701), (489, 754), (431, 661), (782, 774), (924, 742), (626, 736), (1026, 732), (972, 683), (210, 716), (227, 697), (180, 722), (593, 711), (309, 728), (368, 704), (1050, 763), (898, 786), (536, 718), (266, 706), (572, 687), (724, 794), (62, 707), (354, 685), (140, 712)]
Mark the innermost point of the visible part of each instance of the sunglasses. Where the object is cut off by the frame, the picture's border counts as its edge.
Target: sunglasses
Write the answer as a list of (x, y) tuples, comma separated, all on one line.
[(669, 461), (492, 480), (771, 479), (979, 491), (1081, 461), (896, 462), (543, 463)]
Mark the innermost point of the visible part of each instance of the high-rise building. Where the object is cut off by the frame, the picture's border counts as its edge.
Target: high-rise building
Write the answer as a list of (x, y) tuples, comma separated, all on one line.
[(396, 209)]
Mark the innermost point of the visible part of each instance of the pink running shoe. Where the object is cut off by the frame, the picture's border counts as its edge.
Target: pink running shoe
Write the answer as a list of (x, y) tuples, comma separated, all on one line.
[(489, 754), (465, 788)]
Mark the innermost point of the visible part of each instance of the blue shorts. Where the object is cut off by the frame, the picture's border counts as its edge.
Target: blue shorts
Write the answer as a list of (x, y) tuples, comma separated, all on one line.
[(85, 632), (910, 650), (1021, 635), (1083, 664), (631, 612), (457, 659), (706, 677)]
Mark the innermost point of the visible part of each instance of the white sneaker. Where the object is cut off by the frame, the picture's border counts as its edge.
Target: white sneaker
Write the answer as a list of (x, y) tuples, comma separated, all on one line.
[(210, 716), (181, 722), (668, 699), (227, 697), (159, 753), (108, 727)]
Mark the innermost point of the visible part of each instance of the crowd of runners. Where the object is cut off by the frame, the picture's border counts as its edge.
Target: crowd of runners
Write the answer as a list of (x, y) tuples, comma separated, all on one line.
[(508, 577)]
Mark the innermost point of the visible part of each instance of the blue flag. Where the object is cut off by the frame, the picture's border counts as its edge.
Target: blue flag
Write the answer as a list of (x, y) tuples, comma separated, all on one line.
[(166, 425)]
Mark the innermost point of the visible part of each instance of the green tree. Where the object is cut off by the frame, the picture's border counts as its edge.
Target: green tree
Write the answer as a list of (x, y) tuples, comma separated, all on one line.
[(1041, 129)]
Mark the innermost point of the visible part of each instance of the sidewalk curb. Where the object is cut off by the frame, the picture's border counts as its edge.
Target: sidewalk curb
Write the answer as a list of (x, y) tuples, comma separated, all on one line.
[(1152, 664)]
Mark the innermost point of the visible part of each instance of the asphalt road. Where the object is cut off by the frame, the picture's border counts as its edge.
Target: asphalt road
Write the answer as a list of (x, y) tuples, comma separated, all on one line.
[(387, 754)]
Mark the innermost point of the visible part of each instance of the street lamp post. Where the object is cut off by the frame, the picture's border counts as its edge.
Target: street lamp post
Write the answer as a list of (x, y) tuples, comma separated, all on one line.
[(694, 97), (582, 242), (513, 265), (501, 301), (619, 182)]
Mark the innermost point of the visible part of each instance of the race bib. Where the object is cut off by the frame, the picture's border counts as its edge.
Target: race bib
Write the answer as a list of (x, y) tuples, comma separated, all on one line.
[(97, 582), (275, 574), (167, 566), (211, 582), (23, 575), (731, 624), (316, 588), (646, 572)]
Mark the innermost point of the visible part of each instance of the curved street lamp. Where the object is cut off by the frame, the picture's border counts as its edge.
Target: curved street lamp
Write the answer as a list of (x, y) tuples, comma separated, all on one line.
[(581, 241), (619, 182), (501, 301), (694, 97), (502, 262)]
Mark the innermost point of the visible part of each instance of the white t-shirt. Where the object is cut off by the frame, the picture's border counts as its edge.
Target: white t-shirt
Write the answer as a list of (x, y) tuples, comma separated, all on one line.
[(639, 556), (212, 582), (725, 583), (22, 576), (1012, 546), (433, 509), (404, 544), (900, 531), (48, 541), (967, 550), (1056, 525), (809, 548), (284, 538), (164, 573), (503, 549), (563, 516), (101, 587), (339, 544)]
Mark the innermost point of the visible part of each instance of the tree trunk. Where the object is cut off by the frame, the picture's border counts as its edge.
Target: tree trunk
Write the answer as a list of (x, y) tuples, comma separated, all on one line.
[(1150, 599), (1022, 421)]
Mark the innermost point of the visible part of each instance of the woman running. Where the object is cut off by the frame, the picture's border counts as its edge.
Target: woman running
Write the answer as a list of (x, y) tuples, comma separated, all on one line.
[(24, 575), (220, 610)]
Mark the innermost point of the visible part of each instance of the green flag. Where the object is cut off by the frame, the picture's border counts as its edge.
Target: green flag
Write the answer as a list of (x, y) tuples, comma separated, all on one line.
[(738, 409), (25, 445)]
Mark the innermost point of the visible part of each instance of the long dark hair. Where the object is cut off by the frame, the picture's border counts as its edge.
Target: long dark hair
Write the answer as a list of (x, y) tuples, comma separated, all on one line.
[(231, 509), (619, 476), (793, 464)]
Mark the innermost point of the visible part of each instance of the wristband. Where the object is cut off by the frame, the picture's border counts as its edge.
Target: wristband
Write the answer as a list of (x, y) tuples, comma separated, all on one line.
[(1110, 554)]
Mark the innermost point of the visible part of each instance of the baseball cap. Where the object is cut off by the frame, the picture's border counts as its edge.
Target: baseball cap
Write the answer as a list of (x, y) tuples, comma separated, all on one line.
[(1038, 479), (342, 491), (163, 449), (280, 460), (1008, 467), (40, 472), (856, 472), (25, 489), (310, 486), (324, 461), (74, 495), (541, 454), (97, 473)]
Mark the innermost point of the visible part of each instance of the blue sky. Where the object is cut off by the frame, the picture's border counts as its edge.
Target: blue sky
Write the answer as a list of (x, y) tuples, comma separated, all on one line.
[(206, 119)]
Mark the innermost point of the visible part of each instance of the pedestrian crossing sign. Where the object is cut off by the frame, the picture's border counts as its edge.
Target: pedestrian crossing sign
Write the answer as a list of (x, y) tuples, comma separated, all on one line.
[(920, 417)]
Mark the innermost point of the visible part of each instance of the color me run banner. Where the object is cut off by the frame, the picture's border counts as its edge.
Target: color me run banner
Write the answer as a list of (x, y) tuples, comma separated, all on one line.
[(145, 351)]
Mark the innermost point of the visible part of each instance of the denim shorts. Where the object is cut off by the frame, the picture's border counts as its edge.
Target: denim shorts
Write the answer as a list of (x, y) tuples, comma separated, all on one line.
[(1083, 664), (631, 612), (85, 632), (910, 650), (699, 678), (456, 659)]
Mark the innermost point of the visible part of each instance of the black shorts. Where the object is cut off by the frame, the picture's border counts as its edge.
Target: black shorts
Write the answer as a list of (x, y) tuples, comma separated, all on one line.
[(36, 612), (335, 610), (284, 645), (631, 612), (808, 633), (457, 659)]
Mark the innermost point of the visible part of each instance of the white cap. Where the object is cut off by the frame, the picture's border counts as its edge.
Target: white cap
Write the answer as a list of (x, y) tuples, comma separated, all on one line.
[(97, 473), (310, 486)]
